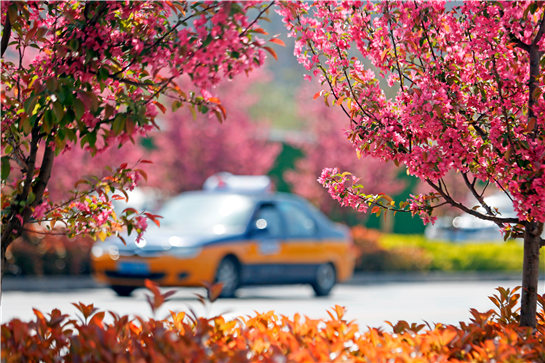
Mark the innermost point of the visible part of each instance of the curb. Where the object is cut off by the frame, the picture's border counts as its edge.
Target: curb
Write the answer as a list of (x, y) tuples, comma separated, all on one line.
[(74, 283), (369, 278), (49, 283)]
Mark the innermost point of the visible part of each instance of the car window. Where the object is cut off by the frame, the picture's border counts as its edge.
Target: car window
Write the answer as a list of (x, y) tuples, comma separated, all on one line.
[(298, 222), (268, 218), (208, 213)]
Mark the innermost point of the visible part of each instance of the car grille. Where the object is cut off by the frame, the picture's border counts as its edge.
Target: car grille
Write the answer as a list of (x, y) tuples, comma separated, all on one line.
[(142, 252)]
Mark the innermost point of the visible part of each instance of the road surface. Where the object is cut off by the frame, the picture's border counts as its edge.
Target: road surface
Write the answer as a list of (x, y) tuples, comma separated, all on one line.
[(369, 305)]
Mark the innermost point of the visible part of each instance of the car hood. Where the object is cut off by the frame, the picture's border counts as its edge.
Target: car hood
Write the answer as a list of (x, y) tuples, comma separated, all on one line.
[(164, 239)]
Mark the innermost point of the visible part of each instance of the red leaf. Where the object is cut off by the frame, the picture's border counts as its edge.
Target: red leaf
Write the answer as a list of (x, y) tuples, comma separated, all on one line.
[(317, 94), (270, 50), (143, 173), (146, 162), (160, 106), (97, 319), (214, 100), (223, 111), (260, 31), (278, 41)]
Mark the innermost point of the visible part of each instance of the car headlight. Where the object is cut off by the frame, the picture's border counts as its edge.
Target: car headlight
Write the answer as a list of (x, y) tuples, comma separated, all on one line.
[(186, 252)]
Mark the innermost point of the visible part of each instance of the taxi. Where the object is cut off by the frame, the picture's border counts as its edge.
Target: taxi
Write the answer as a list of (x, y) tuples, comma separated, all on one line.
[(235, 232)]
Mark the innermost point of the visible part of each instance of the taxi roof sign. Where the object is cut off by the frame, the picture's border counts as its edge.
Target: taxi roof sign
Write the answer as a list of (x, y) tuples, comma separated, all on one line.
[(238, 183)]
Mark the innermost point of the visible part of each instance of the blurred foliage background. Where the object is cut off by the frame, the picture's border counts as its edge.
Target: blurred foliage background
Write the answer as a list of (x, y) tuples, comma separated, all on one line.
[(273, 103)]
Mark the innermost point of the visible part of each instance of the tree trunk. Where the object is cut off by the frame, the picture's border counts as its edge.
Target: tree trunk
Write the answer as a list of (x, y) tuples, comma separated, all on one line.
[(530, 274)]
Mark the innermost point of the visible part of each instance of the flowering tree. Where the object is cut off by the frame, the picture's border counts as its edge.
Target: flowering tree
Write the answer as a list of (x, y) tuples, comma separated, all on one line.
[(327, 147), (470, 100), (95, 82), (184, 154), (239, 146)]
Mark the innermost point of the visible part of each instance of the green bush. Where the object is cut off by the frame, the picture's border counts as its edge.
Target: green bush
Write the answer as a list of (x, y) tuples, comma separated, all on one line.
[(471, 256)]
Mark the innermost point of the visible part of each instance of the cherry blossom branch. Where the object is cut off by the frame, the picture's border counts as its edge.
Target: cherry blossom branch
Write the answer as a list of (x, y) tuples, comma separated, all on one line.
[(160, 90), (480, 199), (180, 22), (398, 68), (45, 173), (256, 19), (540, 31), (452, 202), (426, 34), (519, 43)]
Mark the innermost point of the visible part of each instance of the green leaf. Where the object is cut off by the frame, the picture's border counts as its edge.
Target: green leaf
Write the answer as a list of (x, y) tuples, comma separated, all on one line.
[(103, 74), (6, 168), (176, 105), (58, 110), (30, 104), (51, 84), (31, 197), (92, 137), (118, 124), (207, 41), (79, 108), (73, 44), (193, 112), (48, 121)]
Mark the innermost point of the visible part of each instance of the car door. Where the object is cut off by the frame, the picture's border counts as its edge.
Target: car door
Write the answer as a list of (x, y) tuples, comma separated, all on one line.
[(266, 234), (301, 247)]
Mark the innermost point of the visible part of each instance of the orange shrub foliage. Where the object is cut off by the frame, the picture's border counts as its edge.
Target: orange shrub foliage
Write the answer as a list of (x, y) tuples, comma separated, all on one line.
[(493, 336)]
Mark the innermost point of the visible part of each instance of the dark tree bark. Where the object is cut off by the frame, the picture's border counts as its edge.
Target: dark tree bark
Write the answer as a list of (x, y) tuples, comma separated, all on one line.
[(530, 274), (533, 230)]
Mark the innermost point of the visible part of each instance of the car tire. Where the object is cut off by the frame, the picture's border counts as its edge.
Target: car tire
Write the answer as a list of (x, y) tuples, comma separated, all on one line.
[(324, 280), (228, 273), (123, 290)]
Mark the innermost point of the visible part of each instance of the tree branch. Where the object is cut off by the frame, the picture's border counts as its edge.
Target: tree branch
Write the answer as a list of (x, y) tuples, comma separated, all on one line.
[(45, 174), (480, 199), (519, 43), (540, 31), (452, 202), (6, 35), (180, 22), (256, 19)]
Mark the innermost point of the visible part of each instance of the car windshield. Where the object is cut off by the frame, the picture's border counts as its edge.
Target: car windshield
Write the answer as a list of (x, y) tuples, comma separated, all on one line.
[(205, 213)]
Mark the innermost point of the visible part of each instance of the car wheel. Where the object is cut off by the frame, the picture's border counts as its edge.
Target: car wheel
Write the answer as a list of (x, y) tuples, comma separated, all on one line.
[(123, 290), (325, 279), (228, 274)]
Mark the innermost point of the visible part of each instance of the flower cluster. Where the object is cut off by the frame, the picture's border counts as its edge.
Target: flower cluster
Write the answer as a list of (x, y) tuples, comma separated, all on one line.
[(466, 101), (91, 74), (344, 188)]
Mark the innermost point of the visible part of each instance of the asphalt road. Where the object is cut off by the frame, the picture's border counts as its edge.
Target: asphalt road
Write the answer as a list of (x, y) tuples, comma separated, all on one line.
[(369, 305)]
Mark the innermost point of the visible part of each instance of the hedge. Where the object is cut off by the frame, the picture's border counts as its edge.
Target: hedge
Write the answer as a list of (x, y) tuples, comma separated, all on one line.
[(492, 336), (395, 252)]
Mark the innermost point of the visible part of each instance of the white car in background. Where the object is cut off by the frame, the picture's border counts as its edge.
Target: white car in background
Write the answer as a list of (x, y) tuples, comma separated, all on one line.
[(467, 228)]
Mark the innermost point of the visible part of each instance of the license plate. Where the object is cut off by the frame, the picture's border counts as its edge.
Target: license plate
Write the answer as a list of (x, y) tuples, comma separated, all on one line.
[(133, 268)]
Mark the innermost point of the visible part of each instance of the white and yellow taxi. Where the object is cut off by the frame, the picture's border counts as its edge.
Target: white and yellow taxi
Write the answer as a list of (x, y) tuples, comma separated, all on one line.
[(236, 237)]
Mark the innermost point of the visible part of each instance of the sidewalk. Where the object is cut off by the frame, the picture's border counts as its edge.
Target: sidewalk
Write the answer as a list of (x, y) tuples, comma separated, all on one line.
[(71, 283)]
